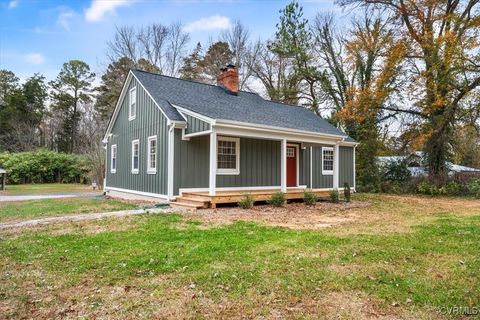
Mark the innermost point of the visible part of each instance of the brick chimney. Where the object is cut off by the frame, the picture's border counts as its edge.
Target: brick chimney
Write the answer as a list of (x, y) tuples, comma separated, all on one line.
[(228, 79)]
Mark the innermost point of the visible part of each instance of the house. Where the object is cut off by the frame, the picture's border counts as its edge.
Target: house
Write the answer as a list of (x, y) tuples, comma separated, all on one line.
[(170, 137), (416, 164)]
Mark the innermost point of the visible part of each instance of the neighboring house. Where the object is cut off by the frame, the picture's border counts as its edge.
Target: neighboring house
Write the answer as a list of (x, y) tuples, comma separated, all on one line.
[(169, 136), (416, 164)]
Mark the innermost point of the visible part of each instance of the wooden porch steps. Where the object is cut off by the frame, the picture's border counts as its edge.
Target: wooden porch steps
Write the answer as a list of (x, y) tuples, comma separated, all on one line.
[(190, 202)]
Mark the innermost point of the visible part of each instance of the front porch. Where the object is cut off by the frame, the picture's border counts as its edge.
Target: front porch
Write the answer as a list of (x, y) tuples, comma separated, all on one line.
[(199, 200)]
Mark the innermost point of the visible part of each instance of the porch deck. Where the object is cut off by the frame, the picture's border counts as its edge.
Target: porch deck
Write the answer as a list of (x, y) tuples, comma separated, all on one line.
[(197, 200)]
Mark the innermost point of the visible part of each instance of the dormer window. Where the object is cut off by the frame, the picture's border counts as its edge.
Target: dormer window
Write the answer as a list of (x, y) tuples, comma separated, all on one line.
[(132, 103)]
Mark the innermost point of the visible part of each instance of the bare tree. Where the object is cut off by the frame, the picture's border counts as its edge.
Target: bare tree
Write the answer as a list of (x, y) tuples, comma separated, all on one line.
[(162, 46), (238, 39), (177, 41)]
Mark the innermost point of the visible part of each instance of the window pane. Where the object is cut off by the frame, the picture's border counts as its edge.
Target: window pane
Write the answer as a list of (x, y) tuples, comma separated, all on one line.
[(328, 160), (227, 155)]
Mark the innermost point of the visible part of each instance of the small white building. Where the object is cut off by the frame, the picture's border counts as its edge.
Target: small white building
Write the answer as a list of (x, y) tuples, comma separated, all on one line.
[(416, 164)]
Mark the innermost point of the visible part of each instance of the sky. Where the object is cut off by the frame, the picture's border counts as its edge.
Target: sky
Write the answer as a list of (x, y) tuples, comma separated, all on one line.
[(39, 36)]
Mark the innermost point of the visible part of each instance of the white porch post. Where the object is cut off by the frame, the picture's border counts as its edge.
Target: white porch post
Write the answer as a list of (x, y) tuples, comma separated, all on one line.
[(336, 166), (213, 163), (283, 165), (170, 160)]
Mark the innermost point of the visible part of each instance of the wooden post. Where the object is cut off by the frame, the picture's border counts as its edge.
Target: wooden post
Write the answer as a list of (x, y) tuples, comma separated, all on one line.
[(213, 164), (283, 165)]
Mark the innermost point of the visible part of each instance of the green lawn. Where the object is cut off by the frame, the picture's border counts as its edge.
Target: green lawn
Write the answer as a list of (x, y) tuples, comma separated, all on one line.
[(165, 266), (46, 188), (24, 210)]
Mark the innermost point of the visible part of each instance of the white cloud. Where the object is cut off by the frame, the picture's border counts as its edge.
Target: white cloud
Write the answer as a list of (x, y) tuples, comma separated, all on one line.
[(209, 23), (12, 4), (64, 18), (34, 58), (99, 8)]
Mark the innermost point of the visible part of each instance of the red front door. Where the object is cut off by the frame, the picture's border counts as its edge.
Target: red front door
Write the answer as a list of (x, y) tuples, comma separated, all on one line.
[(291, 166)]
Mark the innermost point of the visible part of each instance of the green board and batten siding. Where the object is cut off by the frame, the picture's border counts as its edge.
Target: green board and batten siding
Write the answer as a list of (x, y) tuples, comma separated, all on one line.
[(346, 173), (195, 125), (149, 121)]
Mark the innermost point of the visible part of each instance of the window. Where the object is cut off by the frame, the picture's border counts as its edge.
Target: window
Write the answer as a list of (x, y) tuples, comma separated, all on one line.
[(132, 110), (113, 159), (327, 161), (135, 155), (228, 155), (152, 155), (290, 152)]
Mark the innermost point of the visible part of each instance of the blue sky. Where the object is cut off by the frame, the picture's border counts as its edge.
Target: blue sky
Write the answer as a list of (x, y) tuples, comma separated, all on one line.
[(38, 36)]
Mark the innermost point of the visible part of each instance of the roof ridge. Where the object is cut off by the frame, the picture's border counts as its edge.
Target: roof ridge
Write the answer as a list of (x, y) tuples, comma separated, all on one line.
[(192, 81)]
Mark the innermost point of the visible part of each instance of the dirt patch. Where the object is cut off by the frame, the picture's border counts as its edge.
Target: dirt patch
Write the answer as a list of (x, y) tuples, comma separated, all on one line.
[(292, 215)]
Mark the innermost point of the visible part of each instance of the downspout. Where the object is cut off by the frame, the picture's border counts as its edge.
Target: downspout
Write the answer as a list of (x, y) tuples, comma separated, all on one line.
[(311, 168)]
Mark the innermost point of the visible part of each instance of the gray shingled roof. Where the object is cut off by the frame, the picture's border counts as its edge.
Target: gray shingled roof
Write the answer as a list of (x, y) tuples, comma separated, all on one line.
[(216, 103)]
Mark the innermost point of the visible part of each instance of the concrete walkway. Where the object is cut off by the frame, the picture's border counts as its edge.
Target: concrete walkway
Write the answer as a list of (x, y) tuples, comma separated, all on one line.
[(36, 197), (80, 217)]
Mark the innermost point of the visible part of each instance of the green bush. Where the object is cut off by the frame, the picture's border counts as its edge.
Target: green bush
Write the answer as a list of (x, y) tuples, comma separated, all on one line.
[(247, 201), (474, 187), (453, 188), (44, 166), (309, 197), (396, 171), (277, 199), (334, 197), (347, 192)]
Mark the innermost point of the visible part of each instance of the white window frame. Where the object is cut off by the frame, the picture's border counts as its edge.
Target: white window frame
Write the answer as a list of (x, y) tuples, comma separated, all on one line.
[(151, 170), (132, 116), (112, 169), (134, 142), (328, 172), (236, 170)]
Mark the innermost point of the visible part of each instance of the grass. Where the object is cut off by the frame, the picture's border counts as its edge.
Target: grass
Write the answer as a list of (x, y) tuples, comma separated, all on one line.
[(167, 267), (46, 188), (24, 210)]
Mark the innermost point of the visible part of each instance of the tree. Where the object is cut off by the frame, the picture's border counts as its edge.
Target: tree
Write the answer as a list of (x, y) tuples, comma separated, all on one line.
[(191, 69), (112, 83), (217, 56), (238, 41), (22, 112), (161, 46), (360, 80), (70, 89), (443, 42)]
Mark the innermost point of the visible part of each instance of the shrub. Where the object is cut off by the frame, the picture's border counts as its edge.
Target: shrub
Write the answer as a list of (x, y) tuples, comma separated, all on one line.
[(247, 201), (44, 166), (347, 193), (396, 171), (453, 188), (334, 197), (474, 187), (277, 199), (309, 197)]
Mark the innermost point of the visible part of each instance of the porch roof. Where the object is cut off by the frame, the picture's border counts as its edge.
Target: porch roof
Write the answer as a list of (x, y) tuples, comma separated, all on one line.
[(216, 103)]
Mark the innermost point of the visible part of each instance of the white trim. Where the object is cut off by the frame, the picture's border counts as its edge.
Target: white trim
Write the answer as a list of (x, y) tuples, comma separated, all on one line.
[(231, 123), (196, 134), (130, 115), (336, 166), (194, 114), (150, 169), (186, 190), (311, 167), (212, 179), (328, 172), (148, 194), (235, 171), (354, 169), (170, 160), (283, 165), (112, 169), (134, 142), (298, 160)]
